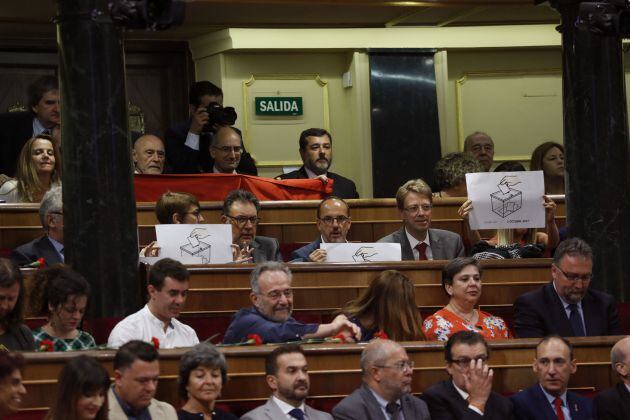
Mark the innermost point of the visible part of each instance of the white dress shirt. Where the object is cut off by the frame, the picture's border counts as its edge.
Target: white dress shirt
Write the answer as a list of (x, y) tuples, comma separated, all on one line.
[(285, 408), (465, 395), (414, 242)]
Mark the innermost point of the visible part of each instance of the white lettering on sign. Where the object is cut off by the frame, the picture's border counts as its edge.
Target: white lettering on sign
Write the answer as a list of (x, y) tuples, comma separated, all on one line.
[(279, 106)]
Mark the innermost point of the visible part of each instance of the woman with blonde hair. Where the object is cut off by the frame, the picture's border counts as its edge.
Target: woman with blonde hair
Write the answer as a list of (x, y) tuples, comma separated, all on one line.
[(38, 169), (387, 305)]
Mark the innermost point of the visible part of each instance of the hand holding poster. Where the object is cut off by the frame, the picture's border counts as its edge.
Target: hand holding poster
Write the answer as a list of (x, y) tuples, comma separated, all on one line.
[(195, 244), (506, 200), (361, 252)]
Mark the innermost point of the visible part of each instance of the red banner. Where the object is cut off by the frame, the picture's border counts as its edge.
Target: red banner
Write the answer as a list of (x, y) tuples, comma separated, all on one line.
[(214, 187)]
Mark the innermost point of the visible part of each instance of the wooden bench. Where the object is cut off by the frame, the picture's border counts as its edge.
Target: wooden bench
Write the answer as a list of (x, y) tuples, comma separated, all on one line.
[(334, 370)]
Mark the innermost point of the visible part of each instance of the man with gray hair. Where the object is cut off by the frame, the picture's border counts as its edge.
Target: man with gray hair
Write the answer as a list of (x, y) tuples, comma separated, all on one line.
[(614, 403), (50, 246), (386, 390), (481, 147), (270, 316)]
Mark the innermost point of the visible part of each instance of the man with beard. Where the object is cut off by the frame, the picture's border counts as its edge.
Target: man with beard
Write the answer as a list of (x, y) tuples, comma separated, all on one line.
[(567, 306), (481, 147), (270, 316), (386, 391), (417, 241), (287, 375), (168, 287), (549, 398), (316, 154), (333, 223)]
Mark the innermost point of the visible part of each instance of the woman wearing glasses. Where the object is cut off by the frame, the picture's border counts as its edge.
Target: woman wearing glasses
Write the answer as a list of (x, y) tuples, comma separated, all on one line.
[(61, 294), (461, 280)]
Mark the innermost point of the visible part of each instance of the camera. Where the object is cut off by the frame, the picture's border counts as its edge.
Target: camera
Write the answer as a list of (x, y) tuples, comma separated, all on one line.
[(220, 115)]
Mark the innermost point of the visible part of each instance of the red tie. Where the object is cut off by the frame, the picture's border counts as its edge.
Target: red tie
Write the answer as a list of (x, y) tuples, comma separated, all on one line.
[(422, 251), (558, 404)]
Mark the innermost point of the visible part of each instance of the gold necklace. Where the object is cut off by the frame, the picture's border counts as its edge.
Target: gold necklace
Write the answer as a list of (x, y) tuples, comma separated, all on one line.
[(461, 315)]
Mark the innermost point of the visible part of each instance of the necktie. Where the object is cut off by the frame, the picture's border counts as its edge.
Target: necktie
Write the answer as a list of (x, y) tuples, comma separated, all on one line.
[(422, 251), (558, 405), (394, 410), (47, 132), (576, 321), (297, 413)]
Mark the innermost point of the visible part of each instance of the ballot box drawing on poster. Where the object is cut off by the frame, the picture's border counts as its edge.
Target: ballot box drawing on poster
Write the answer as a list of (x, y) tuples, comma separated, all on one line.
[(361, 252), (195, 244), (506, 200)]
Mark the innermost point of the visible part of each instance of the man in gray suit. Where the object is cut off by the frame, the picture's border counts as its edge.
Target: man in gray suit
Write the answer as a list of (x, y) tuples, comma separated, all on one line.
[(241, 209), (287, 376), (415, 202), (385, 392)]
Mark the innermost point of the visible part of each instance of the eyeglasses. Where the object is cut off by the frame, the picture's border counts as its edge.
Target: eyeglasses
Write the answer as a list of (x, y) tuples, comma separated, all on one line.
[(242, 220), (575, 277), (227, 149), (464, 362), (328, 220), (277, 294), (196, 213), (401, 366), (416, 209)]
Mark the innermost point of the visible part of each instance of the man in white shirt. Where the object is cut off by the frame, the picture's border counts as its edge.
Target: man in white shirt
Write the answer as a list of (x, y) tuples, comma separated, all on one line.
[(226, 150), (148, 155), (287, 375), (167, 288)]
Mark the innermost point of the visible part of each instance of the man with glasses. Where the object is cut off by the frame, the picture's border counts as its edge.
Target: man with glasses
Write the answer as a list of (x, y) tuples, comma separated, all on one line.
[(241, 209), (567, 306), (417, 241), (270, 316), (386, 390), (50, 246), (549, 399), (333, 223), (316, 154), (226, 150), (467, 394)]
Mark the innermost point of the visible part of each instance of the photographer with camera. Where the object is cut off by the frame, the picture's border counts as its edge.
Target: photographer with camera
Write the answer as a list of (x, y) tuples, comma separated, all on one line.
[(188, 144)]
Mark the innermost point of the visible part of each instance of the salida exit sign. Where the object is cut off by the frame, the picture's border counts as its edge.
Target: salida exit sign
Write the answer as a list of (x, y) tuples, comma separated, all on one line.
[(279, 105)]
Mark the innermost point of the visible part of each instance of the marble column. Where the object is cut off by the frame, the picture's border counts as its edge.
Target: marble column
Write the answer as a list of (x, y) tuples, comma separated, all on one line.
[(596, 148), (100, 231)]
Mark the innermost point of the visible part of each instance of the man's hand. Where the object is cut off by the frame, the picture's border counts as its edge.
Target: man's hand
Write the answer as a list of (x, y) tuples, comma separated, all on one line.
[(199, 119), (242, 255), (152, 250), (322, 178), (478, 383), (319, 255), (465, 209), (350, 330)]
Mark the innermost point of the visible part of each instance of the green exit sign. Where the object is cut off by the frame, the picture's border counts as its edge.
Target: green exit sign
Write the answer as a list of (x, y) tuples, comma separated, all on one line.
[(279, 105)]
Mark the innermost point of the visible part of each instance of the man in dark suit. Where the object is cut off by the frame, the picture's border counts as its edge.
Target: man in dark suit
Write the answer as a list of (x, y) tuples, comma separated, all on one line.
[(386, 389), (549, 399), (286, 373), (43, 117), (417, 241), (567, 306), (468, 394), (614, 403), (316, 154), (50, 246), (270, 316), (188, 142), (333, 223), (240, 209)]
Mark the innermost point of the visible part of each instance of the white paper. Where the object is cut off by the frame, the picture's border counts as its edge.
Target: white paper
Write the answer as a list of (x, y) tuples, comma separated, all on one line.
[(362, 252), (506, 200), (195, 244)]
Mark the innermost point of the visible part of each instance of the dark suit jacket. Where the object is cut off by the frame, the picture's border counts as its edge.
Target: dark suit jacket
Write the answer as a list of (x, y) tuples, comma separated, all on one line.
[(16, 129), (532, 404), (445, 245), (361, 405), (266, 249), (301, 254), (613, 403), (37, 248), (541, 312), (342, 187), (249, 321), (445, 403), (181, 159)]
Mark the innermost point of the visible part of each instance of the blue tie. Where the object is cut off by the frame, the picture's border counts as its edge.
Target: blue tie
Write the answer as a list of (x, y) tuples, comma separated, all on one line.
[(297, 413), (576, 321)]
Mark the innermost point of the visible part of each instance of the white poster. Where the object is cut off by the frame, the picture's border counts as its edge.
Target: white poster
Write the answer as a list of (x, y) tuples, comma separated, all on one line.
[(362, 252), (195, 244), (506, 200)]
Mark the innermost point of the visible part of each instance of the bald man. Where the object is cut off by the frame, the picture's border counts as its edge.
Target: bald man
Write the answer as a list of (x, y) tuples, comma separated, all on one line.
[(226, 148), (386, 390), (614, 403), (149, 155)]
